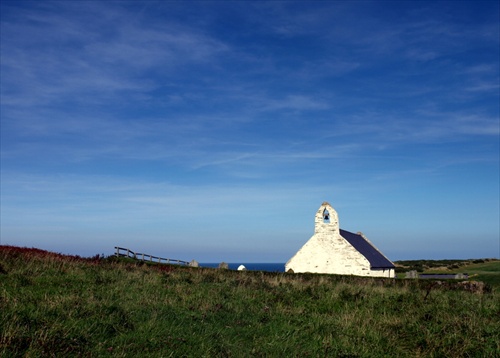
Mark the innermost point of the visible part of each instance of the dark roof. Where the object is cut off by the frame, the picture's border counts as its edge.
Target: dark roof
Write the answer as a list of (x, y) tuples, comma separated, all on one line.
[(376, 259)]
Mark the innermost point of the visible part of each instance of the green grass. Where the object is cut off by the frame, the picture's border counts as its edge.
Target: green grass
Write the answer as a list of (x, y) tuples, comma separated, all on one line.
[(487, 270), (67, 306)]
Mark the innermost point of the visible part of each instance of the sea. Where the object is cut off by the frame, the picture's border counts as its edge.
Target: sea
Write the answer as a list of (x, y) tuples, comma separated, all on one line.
[(270, 267)]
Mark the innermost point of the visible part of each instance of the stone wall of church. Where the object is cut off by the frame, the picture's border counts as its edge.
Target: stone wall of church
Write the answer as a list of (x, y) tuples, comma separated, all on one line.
[(332, 254)]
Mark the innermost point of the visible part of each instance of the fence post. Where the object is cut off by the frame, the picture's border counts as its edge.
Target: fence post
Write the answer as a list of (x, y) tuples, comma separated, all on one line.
[(193, 263)]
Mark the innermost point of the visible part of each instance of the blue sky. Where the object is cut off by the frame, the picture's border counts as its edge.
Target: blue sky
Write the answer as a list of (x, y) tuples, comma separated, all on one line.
[(214, 130)]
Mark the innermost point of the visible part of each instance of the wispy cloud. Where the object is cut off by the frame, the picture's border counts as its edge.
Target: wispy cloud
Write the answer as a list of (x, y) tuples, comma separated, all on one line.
[(295, 102), (52, 59)]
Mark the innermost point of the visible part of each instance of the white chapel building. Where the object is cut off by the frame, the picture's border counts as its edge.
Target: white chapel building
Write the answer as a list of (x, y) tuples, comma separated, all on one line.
[(336, 251)]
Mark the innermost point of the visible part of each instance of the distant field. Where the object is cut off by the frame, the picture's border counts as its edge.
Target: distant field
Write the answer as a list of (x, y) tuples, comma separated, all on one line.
[(67, 306), (485, 270), (488, 272)]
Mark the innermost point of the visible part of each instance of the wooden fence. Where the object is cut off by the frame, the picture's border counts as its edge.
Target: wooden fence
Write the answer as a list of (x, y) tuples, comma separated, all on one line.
[(123, 252)]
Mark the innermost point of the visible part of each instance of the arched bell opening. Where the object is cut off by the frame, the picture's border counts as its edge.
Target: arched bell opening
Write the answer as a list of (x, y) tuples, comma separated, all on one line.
[(326, 216)]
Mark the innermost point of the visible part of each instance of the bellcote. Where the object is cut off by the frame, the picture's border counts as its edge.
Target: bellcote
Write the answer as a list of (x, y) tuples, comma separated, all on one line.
[(326, 219)]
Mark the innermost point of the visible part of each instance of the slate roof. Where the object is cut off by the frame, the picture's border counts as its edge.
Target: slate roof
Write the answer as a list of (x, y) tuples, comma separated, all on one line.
[(376, 259)]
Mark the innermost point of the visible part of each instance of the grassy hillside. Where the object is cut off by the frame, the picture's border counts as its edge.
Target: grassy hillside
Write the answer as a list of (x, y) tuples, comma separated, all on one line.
[(485, 270), (488, 272), (54, 305)]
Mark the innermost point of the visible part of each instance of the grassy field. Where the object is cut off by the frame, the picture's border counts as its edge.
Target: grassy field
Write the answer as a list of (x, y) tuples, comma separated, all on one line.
[(485, 270), (54, 305), (488, 272)]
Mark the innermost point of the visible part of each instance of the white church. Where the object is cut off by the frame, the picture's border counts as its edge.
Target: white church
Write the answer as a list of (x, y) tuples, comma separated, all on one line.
[(335, 251)]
